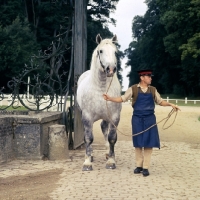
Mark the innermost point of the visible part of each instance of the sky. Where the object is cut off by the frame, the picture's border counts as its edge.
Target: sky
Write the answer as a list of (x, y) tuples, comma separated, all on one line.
[(124, 14)]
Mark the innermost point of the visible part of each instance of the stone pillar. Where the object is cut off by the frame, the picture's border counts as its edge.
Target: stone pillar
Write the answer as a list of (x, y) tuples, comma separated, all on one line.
[(58, 143)]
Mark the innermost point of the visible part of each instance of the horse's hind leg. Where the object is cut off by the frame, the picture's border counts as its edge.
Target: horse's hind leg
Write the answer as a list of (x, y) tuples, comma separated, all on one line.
[(112, 139), (88, 138)]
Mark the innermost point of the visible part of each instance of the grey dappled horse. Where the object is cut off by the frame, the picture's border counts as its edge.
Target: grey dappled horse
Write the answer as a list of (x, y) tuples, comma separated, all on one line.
[(92, 84)]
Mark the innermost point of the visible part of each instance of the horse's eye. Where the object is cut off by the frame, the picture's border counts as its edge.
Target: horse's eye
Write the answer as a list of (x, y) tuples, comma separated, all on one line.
[(101, 51)]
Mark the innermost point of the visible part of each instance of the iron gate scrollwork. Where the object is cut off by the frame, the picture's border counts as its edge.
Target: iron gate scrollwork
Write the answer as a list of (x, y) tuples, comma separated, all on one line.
[(42, 85)]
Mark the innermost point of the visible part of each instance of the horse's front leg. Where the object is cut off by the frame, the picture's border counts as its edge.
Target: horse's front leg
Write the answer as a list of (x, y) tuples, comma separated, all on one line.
[(112, 139), (104, 128), (88, 138)]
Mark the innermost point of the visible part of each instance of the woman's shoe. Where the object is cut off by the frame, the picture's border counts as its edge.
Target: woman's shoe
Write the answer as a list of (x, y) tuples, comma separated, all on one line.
[(145, 172), (137, 170)]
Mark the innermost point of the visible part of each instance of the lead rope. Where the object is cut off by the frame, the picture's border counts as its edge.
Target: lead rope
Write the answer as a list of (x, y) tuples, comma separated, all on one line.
[(166, 118)]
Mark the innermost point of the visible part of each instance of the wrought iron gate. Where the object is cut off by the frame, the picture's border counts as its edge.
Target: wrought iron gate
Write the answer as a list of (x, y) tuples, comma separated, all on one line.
[(44, 83)]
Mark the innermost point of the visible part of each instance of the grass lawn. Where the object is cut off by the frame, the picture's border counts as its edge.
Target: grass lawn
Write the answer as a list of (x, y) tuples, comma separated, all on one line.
[(11, 108)]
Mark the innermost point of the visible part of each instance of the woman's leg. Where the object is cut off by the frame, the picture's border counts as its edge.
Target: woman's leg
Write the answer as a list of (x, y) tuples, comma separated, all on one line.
[(147, 157)]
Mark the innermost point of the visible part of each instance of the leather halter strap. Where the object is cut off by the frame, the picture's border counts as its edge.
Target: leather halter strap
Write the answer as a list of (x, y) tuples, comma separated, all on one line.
[(100, 61)]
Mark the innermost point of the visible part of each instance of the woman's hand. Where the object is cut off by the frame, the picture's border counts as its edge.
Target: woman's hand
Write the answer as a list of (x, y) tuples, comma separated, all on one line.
[(113, 99), (175, 106), (106, 97)]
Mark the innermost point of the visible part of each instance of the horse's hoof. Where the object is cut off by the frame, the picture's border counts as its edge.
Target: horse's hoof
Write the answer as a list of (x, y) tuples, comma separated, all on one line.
[(87, 168), (110, 166)]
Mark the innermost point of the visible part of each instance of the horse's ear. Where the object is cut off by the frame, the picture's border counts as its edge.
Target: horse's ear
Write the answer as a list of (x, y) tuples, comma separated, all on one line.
[(114, 39), (98, 39)]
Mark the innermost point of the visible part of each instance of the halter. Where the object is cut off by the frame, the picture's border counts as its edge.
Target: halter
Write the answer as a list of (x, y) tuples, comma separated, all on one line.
[(100, 61)]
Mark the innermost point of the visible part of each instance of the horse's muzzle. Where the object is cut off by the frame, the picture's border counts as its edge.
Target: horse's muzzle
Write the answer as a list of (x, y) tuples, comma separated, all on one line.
[(110, 71)]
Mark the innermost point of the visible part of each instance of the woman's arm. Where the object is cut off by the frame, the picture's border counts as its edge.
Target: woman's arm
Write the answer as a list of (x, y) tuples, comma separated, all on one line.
[(113, 99), (165, 103)]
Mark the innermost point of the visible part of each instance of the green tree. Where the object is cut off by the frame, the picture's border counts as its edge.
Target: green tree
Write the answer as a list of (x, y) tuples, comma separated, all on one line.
[(166, 39), (31, 25), (17, 44), (9, 10), (181, 21), (100, 10), (147, 50)]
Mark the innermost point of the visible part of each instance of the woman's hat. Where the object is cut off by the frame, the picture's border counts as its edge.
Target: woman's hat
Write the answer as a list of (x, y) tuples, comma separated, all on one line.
[(145, 72)]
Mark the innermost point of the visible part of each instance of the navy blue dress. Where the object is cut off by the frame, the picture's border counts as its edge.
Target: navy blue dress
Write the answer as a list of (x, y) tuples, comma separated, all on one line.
[(143, 117)]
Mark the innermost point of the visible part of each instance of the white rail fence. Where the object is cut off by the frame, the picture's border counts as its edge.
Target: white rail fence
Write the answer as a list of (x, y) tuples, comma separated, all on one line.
[(185, 101), (57, 103)]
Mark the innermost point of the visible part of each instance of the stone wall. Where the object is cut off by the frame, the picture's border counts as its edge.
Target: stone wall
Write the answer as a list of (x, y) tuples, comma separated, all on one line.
[(25, 135), (6, 139)]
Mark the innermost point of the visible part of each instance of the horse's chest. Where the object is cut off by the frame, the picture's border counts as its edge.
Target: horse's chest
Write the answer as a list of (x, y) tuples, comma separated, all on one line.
[(93, 103)]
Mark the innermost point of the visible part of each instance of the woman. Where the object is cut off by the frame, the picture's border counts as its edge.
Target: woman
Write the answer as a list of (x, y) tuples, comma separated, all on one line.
[(143, 97)]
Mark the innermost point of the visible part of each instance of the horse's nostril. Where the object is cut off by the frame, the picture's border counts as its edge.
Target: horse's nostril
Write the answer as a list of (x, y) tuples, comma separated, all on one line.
[(114, 70), (108, 69)]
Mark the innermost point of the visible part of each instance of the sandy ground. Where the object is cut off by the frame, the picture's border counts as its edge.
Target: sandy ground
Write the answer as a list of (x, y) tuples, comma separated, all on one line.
[(40, 183), (186, 127)]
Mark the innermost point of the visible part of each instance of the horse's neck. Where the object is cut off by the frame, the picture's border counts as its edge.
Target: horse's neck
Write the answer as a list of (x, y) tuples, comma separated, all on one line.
[(99, 78)]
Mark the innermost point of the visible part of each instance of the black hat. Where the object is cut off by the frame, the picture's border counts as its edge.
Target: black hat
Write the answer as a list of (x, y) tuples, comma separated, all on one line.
[(145, 72)]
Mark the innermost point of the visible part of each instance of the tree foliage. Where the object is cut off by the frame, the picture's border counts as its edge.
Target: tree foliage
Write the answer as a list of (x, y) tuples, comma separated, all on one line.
[(166, 39), (27, 26), (17, 44)]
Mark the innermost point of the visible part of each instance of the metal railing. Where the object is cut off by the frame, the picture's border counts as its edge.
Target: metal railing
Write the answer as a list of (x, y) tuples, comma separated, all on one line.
[(56, 104), (43, 81)]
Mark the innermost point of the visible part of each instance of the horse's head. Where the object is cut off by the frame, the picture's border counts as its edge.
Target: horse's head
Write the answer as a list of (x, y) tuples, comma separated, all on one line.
[(106, 53)]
